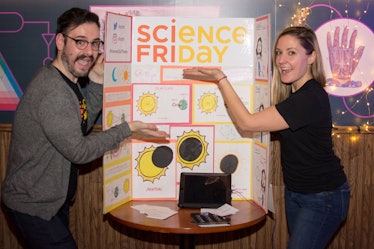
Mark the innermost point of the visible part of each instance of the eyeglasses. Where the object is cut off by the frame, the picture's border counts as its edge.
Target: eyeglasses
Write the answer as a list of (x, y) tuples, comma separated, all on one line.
[(82, 44)]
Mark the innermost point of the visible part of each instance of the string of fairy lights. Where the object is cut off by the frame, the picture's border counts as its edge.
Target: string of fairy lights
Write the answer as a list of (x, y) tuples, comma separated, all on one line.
[(300, 11), (299, 18)]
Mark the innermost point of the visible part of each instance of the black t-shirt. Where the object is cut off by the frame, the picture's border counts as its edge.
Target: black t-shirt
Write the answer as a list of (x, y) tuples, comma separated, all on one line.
[(308, 160), (74, 171)]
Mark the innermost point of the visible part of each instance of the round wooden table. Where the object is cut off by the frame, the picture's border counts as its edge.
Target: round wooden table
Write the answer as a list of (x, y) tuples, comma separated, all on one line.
[(249, 214)]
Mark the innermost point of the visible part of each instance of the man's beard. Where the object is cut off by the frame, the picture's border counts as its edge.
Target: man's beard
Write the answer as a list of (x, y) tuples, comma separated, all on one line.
[(70, 64)]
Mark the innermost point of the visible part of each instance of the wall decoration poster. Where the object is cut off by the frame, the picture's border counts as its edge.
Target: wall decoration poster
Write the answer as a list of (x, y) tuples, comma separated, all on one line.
[(148, 86), (348, 59)]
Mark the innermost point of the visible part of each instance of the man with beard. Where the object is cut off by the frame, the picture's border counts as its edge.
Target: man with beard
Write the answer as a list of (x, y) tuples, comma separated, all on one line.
[(51, 136)]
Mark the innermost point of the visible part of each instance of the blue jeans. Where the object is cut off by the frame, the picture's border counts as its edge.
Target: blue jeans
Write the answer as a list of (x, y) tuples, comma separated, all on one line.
[(313, 219), (37, 233)]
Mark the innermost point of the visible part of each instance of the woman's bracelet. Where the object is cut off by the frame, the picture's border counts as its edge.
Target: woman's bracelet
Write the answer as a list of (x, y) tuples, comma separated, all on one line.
[(224, 77)]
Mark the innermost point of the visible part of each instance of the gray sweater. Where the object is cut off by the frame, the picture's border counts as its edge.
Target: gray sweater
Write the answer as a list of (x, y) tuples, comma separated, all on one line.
[(46, 138)]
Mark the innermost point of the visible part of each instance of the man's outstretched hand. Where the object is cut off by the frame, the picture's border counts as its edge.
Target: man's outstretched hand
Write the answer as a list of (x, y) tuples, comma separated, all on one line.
[(146, 131)]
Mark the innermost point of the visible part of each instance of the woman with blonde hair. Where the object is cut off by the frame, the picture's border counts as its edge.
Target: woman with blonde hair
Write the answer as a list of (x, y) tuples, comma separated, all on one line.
[(316, 189)]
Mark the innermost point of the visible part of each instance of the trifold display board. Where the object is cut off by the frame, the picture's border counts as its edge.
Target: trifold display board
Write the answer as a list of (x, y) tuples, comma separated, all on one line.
[(144, 61)]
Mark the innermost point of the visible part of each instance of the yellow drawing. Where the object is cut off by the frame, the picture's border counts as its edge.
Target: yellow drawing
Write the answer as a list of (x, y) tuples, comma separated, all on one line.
[(125, 75), (146, 167), (109, 119), (192, 149), (126, 185), (112, 120), (147, 103), (208, 102)]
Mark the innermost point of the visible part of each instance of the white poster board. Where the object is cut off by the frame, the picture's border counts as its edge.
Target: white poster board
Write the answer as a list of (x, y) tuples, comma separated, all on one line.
[(148, 86)]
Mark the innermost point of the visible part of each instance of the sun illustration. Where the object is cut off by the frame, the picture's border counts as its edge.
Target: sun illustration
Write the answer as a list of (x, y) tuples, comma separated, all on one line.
[(192, 149), (147, 103), (126, 186), (109, 119), (125, 75), (153, 162), (208, 102)]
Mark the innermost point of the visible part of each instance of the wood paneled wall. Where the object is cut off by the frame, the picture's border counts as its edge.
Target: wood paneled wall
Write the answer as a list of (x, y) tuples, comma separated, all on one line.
[(94, 230)]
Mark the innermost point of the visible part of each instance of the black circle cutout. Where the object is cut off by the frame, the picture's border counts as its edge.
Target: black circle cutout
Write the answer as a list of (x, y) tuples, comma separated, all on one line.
[(162, 156), (229, 164), (190, 149)]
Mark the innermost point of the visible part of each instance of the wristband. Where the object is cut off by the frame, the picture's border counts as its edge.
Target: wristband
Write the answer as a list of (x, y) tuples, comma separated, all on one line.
[(224, 77)]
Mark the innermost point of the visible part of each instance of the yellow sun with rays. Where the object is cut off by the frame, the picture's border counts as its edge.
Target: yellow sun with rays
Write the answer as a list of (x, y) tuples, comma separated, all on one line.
[(147, 103), (192, 149), (208, 102), (146, 168)]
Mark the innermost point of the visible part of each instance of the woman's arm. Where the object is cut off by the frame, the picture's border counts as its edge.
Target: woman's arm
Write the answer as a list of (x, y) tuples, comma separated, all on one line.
[(267, 120)]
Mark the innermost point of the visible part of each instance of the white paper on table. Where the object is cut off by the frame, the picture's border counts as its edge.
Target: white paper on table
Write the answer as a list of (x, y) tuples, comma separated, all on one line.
[(155, 212), (225, 209)]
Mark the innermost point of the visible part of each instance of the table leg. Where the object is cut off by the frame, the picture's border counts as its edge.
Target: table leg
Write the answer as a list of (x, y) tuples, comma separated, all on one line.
[(187, 241)]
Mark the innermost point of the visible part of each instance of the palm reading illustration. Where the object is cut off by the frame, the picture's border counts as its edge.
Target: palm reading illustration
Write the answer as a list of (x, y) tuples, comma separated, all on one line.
[(343, 58)]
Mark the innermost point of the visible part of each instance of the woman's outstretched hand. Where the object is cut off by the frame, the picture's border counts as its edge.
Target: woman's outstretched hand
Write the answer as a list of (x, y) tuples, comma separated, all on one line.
[(203, 74)]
